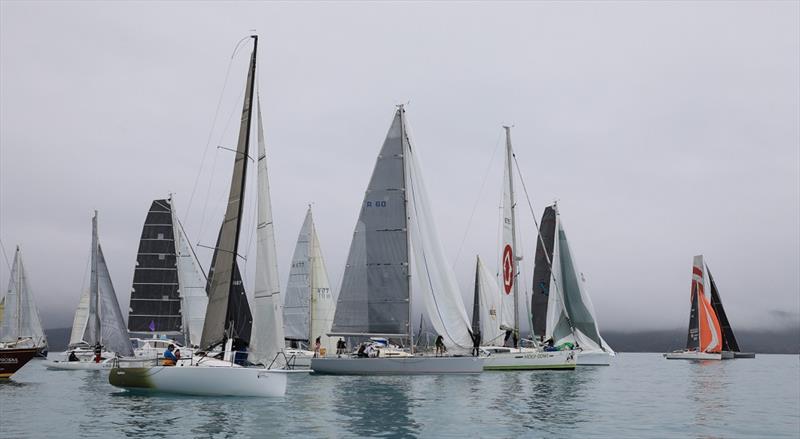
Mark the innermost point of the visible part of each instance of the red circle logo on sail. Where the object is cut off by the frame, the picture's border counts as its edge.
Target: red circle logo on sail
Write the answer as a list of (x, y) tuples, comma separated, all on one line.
[(508, 269)]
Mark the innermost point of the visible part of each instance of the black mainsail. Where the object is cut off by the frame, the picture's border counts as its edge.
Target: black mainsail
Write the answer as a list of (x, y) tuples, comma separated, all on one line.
[(729, 342), (228, 313), (542, 271)]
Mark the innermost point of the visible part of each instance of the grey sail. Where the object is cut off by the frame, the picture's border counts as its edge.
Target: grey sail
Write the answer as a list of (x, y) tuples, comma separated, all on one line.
[(374, 296), (155, 304), (580, 316), (20, 318), (296, 312), (541, 271), (113, 335), (227, 311), (91, 334)]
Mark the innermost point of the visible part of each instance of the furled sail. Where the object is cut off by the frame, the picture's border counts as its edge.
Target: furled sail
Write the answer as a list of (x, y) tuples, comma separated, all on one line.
[(729, 342), (228, 313), (267, 339), (488, 304), (309, 307), (374, 296), (155, 304), (21, 316), (508, 251)]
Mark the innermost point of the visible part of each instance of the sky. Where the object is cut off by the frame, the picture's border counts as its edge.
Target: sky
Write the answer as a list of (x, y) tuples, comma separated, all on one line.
[(663, 130)]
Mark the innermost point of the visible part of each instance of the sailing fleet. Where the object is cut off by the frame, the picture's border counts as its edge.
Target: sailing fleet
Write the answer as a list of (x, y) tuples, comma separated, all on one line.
[(396, 265)]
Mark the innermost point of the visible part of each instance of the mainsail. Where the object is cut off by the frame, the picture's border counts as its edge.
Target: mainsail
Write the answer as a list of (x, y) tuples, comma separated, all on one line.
[(20, 316), (168, 293), (309, 307), (729, 342), (541, 272), (486, 306), (80, 320), (395, 221), (228, 313), (267, 338), (509, 319), (105, 324)]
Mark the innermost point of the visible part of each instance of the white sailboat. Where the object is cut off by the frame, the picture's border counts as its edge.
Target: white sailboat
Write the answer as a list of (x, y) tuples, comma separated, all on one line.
[(168, 296), (561, 306), (21, 333), (510, 354), (309, 304), (395, 247), (227, 319), (98, 332)]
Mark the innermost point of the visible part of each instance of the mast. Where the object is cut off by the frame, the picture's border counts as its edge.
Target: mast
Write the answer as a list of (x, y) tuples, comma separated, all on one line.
[(406, 146), (510, 154), (220, 323), (476, 304), (95, 290), (310, 261)]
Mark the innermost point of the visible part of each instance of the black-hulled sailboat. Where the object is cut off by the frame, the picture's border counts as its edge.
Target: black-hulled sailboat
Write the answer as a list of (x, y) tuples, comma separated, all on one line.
[(229, 333), (21, 333)]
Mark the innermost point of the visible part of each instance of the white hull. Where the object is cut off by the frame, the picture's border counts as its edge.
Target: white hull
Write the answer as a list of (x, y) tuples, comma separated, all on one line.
[(78, 365), (692, 355), (397, 366), (201, 380), (594, 358), (530, 360)]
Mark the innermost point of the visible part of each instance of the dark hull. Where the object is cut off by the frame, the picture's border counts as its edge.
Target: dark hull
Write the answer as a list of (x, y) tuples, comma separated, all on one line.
[(744, 355), (12, 360)]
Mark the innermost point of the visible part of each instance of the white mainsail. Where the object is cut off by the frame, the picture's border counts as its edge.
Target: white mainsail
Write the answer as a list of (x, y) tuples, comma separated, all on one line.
[(20, 315), (508, 250), (489, 304), (309, 306), (267, 338), (191, 284)]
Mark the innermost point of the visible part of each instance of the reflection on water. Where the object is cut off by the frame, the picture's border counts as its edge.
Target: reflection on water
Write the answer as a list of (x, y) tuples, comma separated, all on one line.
[(709, 393), (375, 406)]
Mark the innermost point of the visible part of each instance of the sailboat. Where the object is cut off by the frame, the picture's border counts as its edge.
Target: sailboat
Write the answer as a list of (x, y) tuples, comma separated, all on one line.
[(98, 325), (710, 336), (168, 296), (510, 354), (375, 298), (228, 334), (561, 307), (21, 333), (309, 304)]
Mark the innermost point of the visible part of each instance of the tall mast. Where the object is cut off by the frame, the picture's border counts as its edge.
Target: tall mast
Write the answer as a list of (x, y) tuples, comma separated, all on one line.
[(18, 261), (94, 282), (406, 151), (310, 261), (510, 154)]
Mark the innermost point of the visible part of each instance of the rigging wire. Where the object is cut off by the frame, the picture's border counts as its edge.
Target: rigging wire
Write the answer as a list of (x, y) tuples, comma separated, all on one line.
[(477, 200)]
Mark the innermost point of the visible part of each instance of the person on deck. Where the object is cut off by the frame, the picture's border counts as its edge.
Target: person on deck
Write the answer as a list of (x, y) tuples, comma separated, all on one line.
[(169, 358), (317, 345), (476, 343), (341, 346), (72, 356), (177, 354), (362, 351), (440, 349), (98, 350)]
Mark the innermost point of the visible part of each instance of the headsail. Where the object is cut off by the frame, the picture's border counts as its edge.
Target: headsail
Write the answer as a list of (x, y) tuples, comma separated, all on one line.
[(541, 273), (21, 316), (228, 314), (267, 338), (80, 320), (191, 284), (488, 305), (375, 293)]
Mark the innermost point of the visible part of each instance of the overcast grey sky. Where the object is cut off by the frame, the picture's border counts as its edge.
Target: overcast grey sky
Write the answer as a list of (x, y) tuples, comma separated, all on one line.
[(663, 129)]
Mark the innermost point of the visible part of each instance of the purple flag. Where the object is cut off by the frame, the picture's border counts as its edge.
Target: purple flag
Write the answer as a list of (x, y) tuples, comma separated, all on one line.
[(152, 325)]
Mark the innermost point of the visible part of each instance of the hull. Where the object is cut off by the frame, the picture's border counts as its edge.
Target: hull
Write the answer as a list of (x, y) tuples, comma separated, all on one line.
[(78, 365), (397, 366), (744, 355), (201, 380), (692, 356), (594, 359), (12, 360), (728, 355), (556, 360)]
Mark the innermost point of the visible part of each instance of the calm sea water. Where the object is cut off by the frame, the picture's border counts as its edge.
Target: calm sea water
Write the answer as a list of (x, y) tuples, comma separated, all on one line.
[(641, 395)]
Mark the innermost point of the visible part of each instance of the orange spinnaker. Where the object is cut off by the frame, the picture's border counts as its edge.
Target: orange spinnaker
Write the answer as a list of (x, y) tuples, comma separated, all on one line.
[(710, 331)]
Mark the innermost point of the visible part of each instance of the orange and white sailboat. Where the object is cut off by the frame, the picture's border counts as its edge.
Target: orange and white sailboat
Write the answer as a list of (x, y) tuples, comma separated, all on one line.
[(704, 340)]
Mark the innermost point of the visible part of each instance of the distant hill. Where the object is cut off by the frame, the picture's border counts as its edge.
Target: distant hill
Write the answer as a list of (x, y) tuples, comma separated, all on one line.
[(786, 341)]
